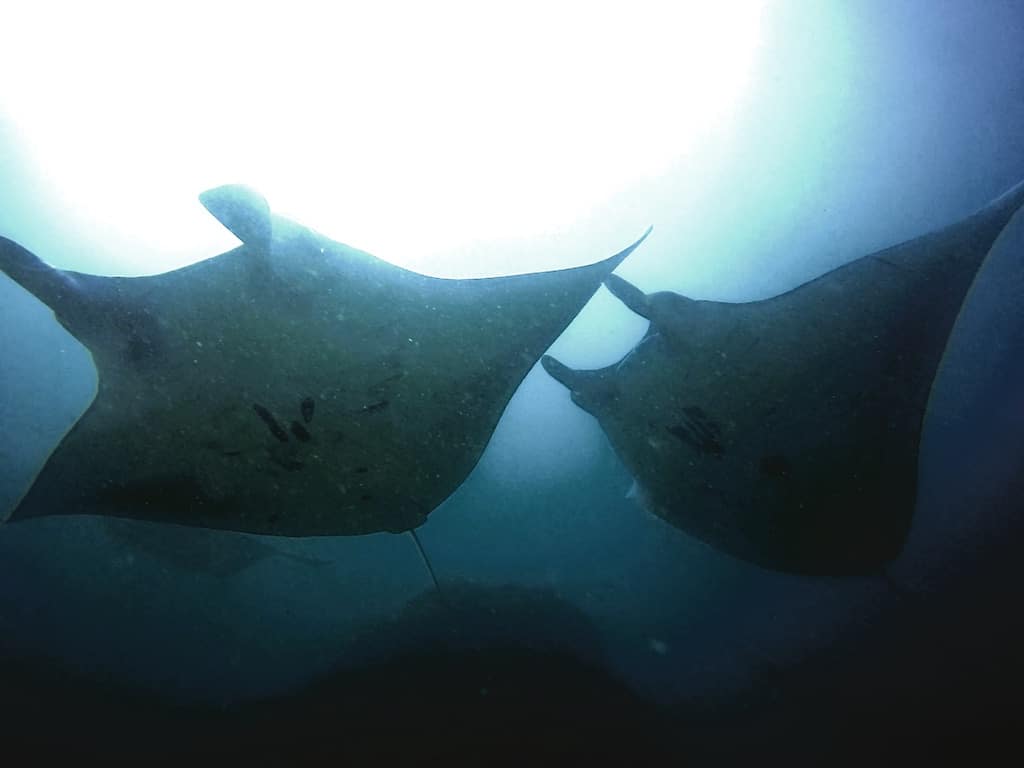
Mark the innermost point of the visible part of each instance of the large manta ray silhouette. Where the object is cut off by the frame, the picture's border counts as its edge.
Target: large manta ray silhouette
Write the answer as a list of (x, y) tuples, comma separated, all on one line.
[(785, 432), (292, 386)]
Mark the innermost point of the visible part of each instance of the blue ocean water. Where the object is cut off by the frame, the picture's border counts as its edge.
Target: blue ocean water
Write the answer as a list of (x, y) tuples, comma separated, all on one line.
[(571, 621)]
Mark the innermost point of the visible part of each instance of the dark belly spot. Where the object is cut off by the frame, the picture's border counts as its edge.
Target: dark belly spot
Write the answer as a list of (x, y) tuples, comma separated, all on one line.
[(268, 418), (699, 431), (307, 407)]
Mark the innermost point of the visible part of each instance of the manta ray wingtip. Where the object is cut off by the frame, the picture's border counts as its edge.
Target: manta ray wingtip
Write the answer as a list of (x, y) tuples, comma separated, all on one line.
[(639, 240), (614, 261)]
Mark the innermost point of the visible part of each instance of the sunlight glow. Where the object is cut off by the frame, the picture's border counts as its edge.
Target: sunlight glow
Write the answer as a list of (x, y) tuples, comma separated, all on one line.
[(407, 129)]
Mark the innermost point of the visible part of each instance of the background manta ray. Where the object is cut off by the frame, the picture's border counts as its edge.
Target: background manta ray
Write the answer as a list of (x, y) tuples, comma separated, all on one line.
[(786, 431), (292, 386), (220, 554)]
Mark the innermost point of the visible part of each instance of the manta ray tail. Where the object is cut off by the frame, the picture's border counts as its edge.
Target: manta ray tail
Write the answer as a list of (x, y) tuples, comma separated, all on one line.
[(426, 560)]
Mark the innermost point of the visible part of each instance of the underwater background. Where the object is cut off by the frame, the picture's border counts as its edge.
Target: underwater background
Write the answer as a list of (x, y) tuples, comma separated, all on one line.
[(572, 621)]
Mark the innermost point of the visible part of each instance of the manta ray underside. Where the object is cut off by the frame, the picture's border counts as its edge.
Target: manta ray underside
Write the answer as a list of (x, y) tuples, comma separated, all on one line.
[(292, 386), (785, 432)]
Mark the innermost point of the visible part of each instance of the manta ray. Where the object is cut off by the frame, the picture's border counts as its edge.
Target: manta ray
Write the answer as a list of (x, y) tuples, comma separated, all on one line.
[(292, 386), (219, 554), (785, 432)]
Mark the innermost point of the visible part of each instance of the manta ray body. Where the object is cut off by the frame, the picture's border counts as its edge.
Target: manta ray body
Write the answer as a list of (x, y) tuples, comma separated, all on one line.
[(785, 432), (291, 386)]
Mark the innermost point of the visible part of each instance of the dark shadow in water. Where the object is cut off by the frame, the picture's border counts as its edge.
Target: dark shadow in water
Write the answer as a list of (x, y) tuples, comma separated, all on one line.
[(465, 616), (512, 676), (477, 674)]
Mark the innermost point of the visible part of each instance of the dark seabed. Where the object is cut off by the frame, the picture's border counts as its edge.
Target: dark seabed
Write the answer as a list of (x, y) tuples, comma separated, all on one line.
[(510, 675)]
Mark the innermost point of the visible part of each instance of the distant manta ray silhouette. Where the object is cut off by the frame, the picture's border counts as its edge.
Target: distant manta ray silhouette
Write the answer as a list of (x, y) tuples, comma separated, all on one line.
[(220, 554), (785, 432), (292, 386)]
